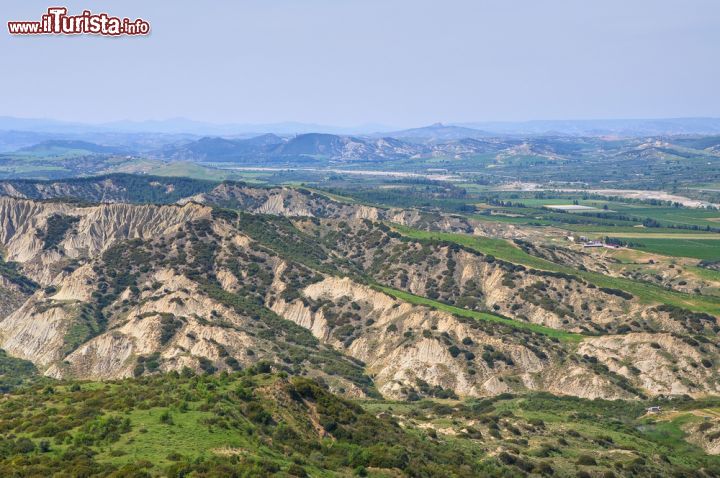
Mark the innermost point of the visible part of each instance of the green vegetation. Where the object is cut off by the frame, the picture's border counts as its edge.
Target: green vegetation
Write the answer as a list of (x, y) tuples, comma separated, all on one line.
[(126, 265), (679, 166), (252, 423), (89, 322), (255, 423), (122, 187), (610, 214), (508, 252), (499, 248), (550, 435), (679, 247), (57, 226), (246, 424), (183, 169), (11, 272), (539, 329), (14, 372), (280, 235)]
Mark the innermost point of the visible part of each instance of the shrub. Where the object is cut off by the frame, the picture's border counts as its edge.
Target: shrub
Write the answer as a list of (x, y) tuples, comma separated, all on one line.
[(586, 460), (166, 418)]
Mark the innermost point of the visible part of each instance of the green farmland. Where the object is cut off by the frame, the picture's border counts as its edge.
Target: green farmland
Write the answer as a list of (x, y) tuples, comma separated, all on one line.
[(708, 249), (506, 251)]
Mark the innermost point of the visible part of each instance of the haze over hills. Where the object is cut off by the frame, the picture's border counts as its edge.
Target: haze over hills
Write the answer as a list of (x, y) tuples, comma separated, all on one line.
[(176, 126), (271, 148), (438, 132), (690, 163), (591, 127), (603, 127), (313, 144), (14, 140), (59, 146)]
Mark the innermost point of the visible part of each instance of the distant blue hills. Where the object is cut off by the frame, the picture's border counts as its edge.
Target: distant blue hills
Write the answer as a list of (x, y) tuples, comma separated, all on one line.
[(598, 127)]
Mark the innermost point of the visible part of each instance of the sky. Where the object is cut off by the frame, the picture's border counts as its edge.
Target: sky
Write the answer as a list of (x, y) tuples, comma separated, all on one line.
[(353, 62)]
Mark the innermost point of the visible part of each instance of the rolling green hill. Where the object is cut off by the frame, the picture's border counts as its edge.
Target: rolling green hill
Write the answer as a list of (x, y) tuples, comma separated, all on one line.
[(256, 424)]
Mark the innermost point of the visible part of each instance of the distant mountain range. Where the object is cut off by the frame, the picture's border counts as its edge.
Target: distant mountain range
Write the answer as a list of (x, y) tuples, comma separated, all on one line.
[(178, 126), (61, 146), (651, 138), (601, 127), (437, 132), (433, 141), (15, 140), (304, 147)]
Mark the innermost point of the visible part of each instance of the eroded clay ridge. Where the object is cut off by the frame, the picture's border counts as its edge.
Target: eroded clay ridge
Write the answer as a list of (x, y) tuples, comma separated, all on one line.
[(137, 289)]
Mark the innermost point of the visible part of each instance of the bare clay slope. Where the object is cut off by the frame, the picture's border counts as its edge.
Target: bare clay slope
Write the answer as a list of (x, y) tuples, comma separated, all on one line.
[(135, 289)]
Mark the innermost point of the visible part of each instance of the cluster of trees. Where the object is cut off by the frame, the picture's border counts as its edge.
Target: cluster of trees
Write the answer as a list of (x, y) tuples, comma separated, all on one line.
[(696, 322), (413, 193), (11, 272), (57, 226)]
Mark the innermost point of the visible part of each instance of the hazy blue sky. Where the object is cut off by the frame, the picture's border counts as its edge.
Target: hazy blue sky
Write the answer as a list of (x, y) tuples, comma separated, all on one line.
[(347, 62)]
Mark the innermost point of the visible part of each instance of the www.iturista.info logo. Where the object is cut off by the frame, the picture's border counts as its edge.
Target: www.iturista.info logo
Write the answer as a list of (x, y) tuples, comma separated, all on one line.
[(57, 22)]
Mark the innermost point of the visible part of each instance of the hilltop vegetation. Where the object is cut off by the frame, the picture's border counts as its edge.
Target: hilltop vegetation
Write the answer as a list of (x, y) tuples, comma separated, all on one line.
[(253, 423), (247, 424), (127, 188)]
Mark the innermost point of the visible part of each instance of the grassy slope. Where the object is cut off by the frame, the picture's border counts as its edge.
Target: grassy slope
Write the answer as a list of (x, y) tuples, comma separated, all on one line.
[(184, 436), (260, 424), (418, 300), (506, 251), (190, 170), (247, 424), (14, 371)]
